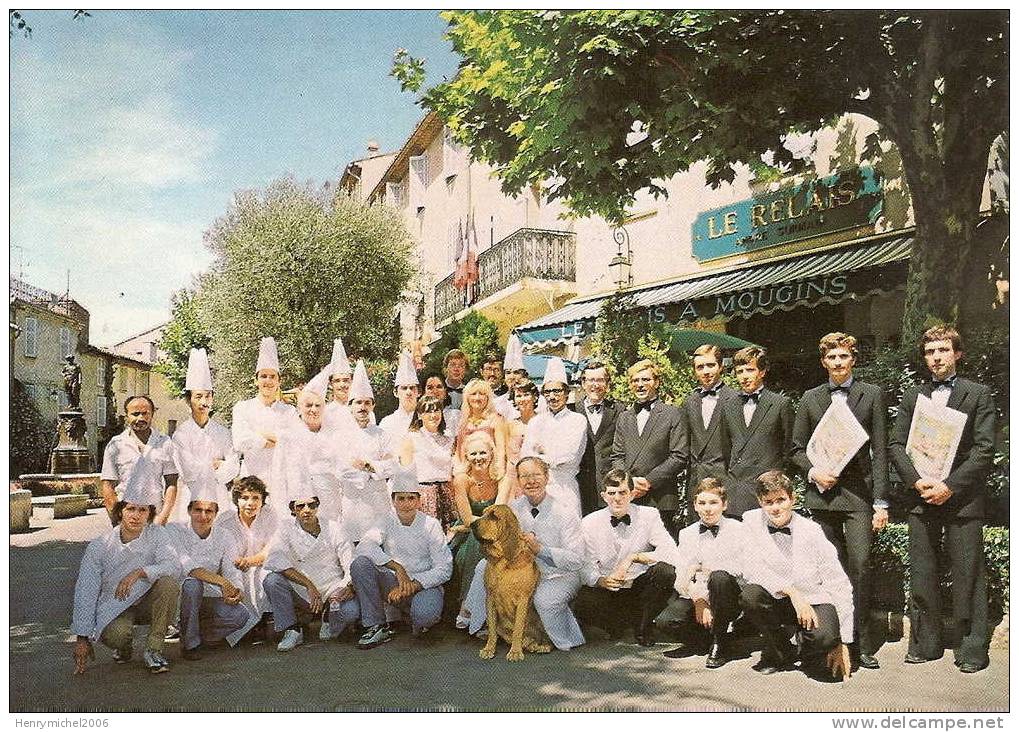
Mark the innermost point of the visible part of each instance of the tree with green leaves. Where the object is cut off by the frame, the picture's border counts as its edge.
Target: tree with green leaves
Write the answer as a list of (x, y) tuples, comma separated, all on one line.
[(302, 266), (597, 105), (474, 334)]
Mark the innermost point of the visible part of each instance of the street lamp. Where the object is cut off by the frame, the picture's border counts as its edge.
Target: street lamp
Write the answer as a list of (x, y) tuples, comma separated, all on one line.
[(620, 265)]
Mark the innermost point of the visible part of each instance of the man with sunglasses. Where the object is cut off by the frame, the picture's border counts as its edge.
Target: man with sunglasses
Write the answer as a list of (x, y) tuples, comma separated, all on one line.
[(309, 572), (559, 437)]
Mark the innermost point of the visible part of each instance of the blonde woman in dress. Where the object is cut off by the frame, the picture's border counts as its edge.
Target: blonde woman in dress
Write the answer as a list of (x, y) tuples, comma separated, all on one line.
[(479, 415)]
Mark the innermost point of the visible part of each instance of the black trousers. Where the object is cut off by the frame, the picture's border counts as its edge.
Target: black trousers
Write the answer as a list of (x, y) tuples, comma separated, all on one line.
[(964, 542), (775, 619), (851, 533), (723, 599), (636, 606)]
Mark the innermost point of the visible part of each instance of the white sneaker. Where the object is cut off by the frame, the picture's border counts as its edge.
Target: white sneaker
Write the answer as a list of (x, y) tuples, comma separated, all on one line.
[(291, 639), (155, 662), (325, 632)]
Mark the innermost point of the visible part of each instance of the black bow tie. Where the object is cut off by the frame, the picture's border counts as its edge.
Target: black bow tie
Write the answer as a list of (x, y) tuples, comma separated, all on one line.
[(710, 392), (755, 397), (776, 530), (624, 519), (534, 512), (949, 382), (594, 408), (832, 389), (712, 529), (645, 405), (457, 389)]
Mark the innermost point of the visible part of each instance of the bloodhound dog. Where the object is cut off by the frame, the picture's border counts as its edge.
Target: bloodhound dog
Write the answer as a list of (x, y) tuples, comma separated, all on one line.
[(511, 577)]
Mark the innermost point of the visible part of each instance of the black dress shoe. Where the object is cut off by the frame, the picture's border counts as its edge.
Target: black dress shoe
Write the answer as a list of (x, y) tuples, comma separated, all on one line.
[(191, 654), (910, 658), (971, 668), (681, 652), (768, 667), (867, 661), (716, 657)]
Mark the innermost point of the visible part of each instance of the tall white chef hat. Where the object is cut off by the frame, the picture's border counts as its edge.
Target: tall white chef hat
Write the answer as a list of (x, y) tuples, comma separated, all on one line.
[(404, 480), (206, 490), (319, 383), (267, 355), (406, 374), (555, 370), (339, 363), (514, 354), (360, 386), (145, 486), (199, 377)]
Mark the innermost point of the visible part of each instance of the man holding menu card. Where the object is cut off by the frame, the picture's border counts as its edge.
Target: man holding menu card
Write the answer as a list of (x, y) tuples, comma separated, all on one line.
[(839, 444), (942, 446)]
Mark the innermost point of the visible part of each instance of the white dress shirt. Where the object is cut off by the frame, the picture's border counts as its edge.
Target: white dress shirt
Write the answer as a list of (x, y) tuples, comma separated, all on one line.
[(195, 449), (420, 549), (708, 404), (559, 439), (708, 552), (251, 418), (805, 560), (750, 406), (941, 393), (557, 529), (324, 559), (106, 562), (643, 415), (605, 545), (132, 462), (594, 416)]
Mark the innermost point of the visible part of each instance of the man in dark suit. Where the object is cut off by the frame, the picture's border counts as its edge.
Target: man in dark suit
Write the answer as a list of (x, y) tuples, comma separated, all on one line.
[(601, 414), (709, 443), (650, 443), (759, 426), (953, 507), (850, 505)]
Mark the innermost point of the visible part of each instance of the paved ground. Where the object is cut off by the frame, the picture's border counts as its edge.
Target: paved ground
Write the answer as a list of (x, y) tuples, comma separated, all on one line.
[(442, 671)]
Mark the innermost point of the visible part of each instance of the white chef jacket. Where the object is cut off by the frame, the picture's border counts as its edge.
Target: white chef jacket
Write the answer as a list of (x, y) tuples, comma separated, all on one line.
[(214, 553), (245, 541), (324, 559), (308, 464), (710, 552), (195, 449), (562, 439), (812, 566), (106, 562), (420, 548), (605, 545), (250, 418), (397, 424), (366, 502), (132, 462)]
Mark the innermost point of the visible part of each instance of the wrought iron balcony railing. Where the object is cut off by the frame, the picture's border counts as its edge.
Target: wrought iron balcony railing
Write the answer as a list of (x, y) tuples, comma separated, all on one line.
[(541, 254)]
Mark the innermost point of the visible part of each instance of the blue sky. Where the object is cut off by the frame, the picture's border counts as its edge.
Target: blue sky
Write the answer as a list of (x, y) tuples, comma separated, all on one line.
[(130, 132)]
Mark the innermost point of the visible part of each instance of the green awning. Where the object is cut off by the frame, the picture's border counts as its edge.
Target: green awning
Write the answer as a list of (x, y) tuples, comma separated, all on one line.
[(854, 270)]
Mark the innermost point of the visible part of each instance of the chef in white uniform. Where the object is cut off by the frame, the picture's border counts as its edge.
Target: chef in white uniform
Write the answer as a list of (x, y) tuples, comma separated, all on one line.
[(337, 409), (203, 447), (406, 390), (258, 422)]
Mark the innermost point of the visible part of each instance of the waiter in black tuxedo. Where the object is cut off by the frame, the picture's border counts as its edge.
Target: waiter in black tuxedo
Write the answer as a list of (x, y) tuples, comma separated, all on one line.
[(852, 505), (601, 413), (759, 426), (953, 507), (650, 443), (705, 428)]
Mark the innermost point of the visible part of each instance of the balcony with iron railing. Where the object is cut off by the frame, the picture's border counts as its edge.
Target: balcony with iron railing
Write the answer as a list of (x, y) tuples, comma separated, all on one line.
[(539, 254)]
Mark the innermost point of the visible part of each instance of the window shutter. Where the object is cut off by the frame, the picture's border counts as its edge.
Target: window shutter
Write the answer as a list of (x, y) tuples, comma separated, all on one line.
[(66, 349), (394, 194), (100, 411), (418, 179), (31, 345), (101, 374), (143, 382)]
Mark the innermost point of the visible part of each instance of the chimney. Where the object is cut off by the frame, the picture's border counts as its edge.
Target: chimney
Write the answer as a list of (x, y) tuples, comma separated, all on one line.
[(373, 147)]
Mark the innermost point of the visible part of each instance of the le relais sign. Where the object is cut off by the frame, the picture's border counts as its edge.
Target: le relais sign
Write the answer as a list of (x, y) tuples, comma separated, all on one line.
[(845, 200)]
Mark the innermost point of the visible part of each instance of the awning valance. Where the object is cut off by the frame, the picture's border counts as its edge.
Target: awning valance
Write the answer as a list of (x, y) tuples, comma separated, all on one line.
[(832, 275)]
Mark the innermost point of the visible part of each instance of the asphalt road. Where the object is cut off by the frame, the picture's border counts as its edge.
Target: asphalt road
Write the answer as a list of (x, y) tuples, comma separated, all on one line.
[(441, 671)]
